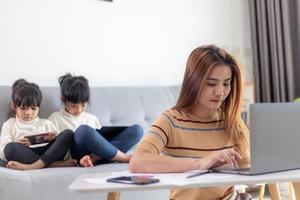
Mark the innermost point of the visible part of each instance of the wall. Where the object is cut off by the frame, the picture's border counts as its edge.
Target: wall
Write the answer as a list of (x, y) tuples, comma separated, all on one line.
[(127, 42)]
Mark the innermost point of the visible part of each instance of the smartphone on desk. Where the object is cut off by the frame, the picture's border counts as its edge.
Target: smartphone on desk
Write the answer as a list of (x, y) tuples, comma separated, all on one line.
[(137, 180)]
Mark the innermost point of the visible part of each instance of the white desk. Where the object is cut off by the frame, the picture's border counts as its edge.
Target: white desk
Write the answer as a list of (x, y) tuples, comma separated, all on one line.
[(96, 181)]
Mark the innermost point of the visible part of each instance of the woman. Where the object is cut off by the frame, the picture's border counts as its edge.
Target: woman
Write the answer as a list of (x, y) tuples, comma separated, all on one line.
[(204, 129)]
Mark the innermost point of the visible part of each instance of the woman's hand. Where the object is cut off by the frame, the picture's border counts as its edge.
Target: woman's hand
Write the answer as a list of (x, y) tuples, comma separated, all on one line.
[(51, 136), (221, 157), (24, 141)]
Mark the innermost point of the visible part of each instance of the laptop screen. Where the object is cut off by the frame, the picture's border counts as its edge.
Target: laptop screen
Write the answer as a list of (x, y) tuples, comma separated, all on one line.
[(274, 137)]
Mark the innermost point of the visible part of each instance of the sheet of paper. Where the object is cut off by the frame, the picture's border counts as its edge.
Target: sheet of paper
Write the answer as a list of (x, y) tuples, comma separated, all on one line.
[(176, 179)]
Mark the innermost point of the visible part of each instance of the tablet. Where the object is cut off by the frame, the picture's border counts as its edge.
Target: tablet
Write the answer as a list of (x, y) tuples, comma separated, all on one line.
[(38, 139)]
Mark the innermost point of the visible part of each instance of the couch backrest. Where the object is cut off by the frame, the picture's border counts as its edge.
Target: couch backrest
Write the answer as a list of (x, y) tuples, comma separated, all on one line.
[(112, 105)]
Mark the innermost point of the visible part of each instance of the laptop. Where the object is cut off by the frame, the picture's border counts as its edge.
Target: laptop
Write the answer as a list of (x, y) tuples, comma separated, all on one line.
[(274, 139)]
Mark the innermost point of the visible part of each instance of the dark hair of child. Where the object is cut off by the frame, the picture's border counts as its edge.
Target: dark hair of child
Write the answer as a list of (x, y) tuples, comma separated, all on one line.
[(74, 89), (25, 94)]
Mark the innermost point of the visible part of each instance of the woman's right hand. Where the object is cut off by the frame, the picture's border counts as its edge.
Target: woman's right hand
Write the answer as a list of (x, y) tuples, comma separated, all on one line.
[(221, 157), (24, 141)]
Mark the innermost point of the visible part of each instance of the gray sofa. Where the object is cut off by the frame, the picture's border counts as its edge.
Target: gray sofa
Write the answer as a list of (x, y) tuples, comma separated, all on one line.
[(113, 106)]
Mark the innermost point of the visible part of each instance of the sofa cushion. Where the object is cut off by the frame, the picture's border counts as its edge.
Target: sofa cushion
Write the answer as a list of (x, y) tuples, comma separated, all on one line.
[(49, 182)]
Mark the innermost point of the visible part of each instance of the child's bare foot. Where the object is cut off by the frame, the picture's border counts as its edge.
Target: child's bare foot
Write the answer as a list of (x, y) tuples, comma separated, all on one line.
[(64, 163), (86, 161), (121, 157), (20, 166), (15, 165)]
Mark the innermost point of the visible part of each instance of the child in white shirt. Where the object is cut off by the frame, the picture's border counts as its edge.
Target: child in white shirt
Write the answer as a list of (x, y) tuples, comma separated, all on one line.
[(92, 143), (15, 147)]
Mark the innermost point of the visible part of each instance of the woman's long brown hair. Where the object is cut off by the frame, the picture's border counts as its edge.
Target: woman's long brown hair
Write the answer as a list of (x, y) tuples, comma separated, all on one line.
[(200, 63)]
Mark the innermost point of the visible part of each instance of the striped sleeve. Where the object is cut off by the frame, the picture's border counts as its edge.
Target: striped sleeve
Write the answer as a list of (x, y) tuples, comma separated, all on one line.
[(157, 137)]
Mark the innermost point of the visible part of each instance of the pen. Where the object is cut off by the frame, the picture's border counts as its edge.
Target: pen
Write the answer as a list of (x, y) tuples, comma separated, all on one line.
[(197, 174)]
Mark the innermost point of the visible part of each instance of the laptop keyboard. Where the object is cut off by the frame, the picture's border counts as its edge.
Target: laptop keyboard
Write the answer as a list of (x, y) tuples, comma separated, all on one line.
[(245, 170), (241, 169)]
